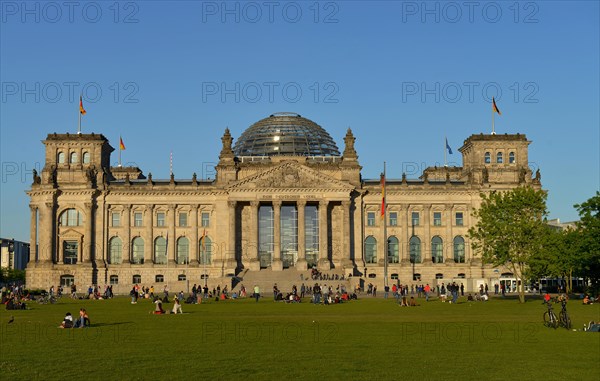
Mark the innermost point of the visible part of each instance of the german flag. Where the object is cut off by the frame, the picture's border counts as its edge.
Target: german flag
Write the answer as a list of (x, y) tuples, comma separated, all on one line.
[(121, 144), (494, 107), (81, 109)]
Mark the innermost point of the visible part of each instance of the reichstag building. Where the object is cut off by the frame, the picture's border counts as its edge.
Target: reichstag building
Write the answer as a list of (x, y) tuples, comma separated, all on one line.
[(284, 200)]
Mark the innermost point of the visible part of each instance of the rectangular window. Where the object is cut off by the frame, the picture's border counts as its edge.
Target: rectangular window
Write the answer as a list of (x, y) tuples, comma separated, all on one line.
[(459, 219), (437, 218), (160, 219), (70, 252), (137, 219), (393, 219), (183, 219), (415, 218), (205, 219), (371, 219), (116, 220)]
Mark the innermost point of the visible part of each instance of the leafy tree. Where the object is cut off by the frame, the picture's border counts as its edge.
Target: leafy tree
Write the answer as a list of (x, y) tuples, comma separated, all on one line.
[(589, 239), (510, 230)]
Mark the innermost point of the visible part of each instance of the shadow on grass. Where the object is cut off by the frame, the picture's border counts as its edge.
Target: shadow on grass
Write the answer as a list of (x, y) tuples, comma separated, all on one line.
[(108, 324)]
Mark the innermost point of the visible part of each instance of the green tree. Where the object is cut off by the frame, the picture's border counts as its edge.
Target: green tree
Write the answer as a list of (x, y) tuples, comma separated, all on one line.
[(589, 239), (510, 230)]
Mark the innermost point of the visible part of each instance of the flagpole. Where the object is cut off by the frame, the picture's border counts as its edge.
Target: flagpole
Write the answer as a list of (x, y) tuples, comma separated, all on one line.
[(445, 149), (385, 242), (120, 150), (493, 129), (79, 125)]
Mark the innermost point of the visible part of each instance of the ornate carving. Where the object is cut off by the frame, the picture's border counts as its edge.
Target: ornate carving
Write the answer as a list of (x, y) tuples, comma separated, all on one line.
[(194, 179), (403, 177), (226, 151), (287, 177), (349, 151), (36, 179), (538, 175)]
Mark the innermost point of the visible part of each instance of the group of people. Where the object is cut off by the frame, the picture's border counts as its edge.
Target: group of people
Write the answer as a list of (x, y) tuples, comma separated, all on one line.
[(82, 322)]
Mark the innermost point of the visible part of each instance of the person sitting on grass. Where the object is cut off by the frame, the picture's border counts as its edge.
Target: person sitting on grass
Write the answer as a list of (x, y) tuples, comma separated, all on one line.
[(470, 298), (586, 299), (84, 320), (413, 302), (67, 321), (404, 302), (176, 306), (158, 310)]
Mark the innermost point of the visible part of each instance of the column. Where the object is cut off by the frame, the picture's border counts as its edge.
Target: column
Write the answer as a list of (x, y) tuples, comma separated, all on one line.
[(277, 264), (448, 240), (346, 258), (426, 241), (404, 246), (324, 263), (172, 238), (148, 234), (230, 260), (47, 243), (127, 232), (301, 262), (87, 236), (33, 234), (252, 242), (194, 252)]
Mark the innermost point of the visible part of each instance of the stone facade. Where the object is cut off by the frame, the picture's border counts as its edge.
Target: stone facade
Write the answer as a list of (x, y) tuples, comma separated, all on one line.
[(97, 224)]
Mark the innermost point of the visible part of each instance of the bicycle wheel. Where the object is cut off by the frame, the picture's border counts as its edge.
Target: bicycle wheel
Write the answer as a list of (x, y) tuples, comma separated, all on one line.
[(550, 319), (565, 320)]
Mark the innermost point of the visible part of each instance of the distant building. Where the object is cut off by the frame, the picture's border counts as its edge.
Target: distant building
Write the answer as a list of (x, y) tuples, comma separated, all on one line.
[(284, 200), (13, 254), (557, 225)]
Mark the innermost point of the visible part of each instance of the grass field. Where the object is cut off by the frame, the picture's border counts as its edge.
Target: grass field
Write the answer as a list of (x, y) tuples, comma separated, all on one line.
[(368, 339)]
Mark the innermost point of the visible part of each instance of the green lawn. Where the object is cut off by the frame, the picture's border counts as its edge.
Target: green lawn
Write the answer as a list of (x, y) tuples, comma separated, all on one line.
[(368, 339)]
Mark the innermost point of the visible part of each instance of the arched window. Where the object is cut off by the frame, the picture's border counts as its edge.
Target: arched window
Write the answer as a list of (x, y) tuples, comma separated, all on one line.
[(160, 250), (415, 249), (437, 252), (183, 250), (205, 251), (137, 256), (487, 158), (370, 250), (61, 158), (73, 158), (71, 217), (459, 249), (511, 158), (499, 158), (114, 279), (86, 158), (393, 252), (115, 250)]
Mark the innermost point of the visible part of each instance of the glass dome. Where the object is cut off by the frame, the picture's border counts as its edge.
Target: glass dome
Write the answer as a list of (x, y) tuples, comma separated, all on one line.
[(285, 133)]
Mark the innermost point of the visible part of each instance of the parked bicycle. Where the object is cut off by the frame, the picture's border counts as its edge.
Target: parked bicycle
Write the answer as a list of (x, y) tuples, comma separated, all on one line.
[(563, 317), (550, 319)]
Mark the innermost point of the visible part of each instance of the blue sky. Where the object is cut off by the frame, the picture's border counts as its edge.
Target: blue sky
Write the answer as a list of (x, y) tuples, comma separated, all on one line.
[(171, 76)]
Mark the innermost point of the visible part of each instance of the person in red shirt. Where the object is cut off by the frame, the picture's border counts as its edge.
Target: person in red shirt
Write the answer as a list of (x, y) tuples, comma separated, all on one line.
[(427, 290), (547, 297)]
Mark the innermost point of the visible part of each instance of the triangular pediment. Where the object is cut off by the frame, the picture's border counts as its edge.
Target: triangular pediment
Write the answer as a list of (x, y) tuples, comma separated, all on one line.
[(291, 175), (70, 233)]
